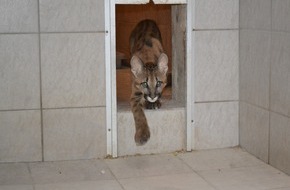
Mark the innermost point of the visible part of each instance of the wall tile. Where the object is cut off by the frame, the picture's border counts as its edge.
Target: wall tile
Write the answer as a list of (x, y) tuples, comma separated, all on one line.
[(73, 70), (216, 125), (255, 58), (71, 134), (14, 173), (20, 136), (280, 75), (167, 133), (19, 72), (71, 15), (281, 15), (217, 63), (216, 14), (255, 14), (280, 142), (254, 130), (18, 16)]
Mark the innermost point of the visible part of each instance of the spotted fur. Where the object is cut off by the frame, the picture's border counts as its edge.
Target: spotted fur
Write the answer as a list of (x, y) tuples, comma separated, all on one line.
[(149, 65)]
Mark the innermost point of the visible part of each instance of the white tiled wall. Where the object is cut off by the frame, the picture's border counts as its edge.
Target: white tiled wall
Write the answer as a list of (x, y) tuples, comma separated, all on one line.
[(216, 125), (71, 15), (74, 76), (255, 57), (76, 133), (265, 79), (18, 16), (52, 81), (254, 130), (19, 83), (20, 136), (216, 14), (216, 73), (216, 65), (255, 14), (52, 70)]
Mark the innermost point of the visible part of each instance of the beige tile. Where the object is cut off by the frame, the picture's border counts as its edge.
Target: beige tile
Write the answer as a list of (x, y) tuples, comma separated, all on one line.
[(71, 134), (87, 185), (216, 125), (13, 174), (250, 178), (254, 130), (255, 14), (20, 136), (73, 70), (279, 142), (219, 159), (281, 15), (213, 14), (18, 16), (167, 133), (216, 69), (189, 181), (16, 187), (280, 75), (71, 15), (151, 165), (19, 72), (255, 67), (69, 171), (283, 188)]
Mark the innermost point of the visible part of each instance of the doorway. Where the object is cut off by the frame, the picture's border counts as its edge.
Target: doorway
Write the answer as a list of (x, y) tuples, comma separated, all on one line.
[(177, 31)]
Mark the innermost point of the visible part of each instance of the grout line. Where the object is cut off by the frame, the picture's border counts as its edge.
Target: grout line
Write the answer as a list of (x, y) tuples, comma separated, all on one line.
[(218, 101), (60, 32), (39, 109), (196, 172), (81, 107), (239, 73), (40, 83), (36, 109), (216, 29), (114, 176), (265, 109), (270, 77)]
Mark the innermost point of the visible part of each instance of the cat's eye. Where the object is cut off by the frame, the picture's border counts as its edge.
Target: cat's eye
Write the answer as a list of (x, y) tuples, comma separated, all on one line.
[(158, 84), (144, 84)]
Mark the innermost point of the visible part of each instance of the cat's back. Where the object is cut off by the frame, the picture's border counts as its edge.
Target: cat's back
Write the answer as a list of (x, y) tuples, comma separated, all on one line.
[(146, 41)]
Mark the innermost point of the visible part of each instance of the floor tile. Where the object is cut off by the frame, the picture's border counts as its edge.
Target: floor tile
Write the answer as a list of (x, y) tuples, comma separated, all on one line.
[(283, 188), (84, 185), (219, 158), (190, 181), (69, 171), (149, 165), (16, 187), (249, 178), (14, 173)]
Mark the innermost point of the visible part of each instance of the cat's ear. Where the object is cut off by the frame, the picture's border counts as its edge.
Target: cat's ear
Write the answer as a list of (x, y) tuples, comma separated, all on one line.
[(163, 63), (136, 65)]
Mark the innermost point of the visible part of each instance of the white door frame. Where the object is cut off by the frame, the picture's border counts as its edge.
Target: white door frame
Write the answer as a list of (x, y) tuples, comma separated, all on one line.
[(110, 60)]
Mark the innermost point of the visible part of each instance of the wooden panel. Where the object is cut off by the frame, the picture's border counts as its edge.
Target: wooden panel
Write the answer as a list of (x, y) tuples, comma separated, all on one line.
[(127, 17)]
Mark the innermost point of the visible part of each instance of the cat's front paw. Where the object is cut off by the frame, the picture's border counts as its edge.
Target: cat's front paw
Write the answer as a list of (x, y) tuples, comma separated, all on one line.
[(142, 135)]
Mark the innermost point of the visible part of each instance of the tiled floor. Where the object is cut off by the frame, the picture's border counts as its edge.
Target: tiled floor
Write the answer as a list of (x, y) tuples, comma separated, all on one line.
[(223, 169)]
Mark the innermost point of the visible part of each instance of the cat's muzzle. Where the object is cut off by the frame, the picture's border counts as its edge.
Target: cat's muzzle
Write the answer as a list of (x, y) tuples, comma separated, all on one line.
[(152, 100)]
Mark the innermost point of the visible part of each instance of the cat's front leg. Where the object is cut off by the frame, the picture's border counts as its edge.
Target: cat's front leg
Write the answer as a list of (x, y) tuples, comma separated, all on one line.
[(142, 134)]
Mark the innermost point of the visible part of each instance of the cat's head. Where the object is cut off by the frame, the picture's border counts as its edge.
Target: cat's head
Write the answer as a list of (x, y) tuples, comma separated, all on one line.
[(150, 78)]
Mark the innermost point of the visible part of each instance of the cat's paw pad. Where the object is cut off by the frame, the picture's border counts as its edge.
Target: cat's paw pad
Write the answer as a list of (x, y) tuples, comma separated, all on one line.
[(142, 136)]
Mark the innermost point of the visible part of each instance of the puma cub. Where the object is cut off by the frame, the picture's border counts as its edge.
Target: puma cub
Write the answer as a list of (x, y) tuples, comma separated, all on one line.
[(149, 65)]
